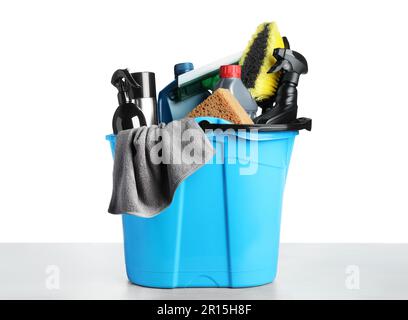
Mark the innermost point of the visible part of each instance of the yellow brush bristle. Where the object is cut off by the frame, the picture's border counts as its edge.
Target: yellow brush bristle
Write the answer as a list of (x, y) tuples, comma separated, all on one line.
[(266, 83)]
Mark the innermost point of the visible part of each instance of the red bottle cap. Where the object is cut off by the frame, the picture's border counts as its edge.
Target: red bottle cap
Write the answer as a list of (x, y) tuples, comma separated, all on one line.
[(230, 71)]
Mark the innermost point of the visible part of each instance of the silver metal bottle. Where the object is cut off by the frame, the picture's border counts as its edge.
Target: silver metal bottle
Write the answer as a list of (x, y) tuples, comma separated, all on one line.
[(145, 96)]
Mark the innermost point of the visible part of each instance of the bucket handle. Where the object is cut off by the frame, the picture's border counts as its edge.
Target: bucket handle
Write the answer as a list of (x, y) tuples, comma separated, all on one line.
[(298, 124)]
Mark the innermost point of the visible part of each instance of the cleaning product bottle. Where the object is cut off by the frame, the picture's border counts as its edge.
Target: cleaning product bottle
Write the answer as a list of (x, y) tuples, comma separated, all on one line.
[(292, 64), (169, 106), (231, 80), (127, 114)]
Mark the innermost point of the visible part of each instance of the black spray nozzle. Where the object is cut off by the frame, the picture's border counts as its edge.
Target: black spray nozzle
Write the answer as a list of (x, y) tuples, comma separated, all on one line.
[(135, 85), (123, 81), (289, 61), (122, 77), (286, 42)]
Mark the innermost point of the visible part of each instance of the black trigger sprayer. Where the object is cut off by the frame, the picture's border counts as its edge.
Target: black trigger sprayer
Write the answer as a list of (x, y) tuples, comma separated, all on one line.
[(292, 64), (127, 110)]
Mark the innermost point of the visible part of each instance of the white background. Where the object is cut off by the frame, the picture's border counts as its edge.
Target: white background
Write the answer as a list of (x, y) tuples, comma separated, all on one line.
[(348, 177)]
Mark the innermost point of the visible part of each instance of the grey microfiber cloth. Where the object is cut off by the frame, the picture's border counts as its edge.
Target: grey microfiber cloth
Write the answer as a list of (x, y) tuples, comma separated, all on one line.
[(150, 162)]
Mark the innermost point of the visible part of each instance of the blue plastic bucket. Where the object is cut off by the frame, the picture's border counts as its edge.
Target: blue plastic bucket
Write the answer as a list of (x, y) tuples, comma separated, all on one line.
[(222, 228)]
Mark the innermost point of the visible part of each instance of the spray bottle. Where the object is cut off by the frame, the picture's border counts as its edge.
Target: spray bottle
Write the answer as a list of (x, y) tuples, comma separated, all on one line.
[(292, 64), (127, 113)]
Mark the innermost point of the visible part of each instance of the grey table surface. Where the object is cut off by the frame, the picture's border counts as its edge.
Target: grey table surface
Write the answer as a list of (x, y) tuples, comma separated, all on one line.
[(306, 271)]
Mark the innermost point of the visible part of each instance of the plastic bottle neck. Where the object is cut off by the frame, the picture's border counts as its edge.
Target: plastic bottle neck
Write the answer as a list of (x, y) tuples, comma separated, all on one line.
[(291, 77)]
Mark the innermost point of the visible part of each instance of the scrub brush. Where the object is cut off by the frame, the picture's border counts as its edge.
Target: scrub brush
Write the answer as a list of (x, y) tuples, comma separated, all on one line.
[(258, 59)]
